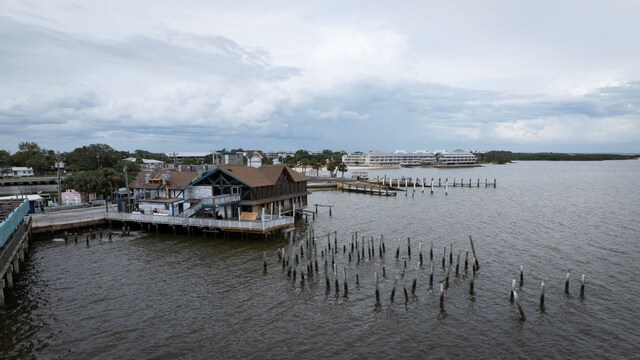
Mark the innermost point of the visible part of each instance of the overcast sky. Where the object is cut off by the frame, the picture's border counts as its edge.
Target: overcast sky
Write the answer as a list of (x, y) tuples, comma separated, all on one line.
[(344, 75)]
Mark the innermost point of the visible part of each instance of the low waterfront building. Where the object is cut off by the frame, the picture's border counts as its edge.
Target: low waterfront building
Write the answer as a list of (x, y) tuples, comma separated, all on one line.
[(18, 171), (146, 164), (164, 190), (456, 157), (254, 158), (231, 158), (70, 196), (270, 189)]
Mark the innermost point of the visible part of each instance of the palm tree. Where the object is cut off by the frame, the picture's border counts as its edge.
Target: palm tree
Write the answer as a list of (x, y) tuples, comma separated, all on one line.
[(342, 168)]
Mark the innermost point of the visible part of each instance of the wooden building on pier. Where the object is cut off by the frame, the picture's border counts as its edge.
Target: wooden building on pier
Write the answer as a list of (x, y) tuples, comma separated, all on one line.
[(270, 189)]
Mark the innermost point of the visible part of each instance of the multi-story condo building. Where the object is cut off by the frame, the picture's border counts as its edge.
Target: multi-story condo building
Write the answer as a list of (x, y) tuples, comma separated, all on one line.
[(455, 158), (396, 158)]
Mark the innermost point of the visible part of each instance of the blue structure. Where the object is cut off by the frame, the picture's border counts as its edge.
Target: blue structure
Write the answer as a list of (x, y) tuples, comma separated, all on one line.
[(12, 221)]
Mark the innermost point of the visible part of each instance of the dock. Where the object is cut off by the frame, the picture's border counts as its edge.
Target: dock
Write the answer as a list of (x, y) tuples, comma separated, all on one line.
[(406, 182), (364, 189), (83, 218)]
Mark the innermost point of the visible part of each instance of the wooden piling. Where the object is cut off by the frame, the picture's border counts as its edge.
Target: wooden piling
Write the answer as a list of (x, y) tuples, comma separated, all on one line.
[(431, 277), (521, 275), (264, 261), (517, 300), (542, 295), (406, 294), (475, 257), (471, 284), (9, 276), (466, 260), (582, 287), (2, 303), (346, 286), (393, 291), (415, 283), (377, 290), (513, 290), (566, 283)]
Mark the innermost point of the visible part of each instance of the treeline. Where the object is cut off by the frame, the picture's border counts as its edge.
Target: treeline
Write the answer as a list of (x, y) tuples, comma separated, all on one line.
[(501, 157), (332, 160), (95, 168)]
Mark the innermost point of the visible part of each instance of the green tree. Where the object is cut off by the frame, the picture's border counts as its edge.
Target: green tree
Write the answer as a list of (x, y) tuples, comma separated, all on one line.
[(5, 162), (304, 163), (26, 150), (331, 168), (94, 156), (190, 161), (342, 168), (316, 166), (39, 163), (102, 181), (265, 159)]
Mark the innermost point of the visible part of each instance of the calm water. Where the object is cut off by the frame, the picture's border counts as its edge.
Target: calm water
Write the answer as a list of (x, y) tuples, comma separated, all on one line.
[(149, 296)]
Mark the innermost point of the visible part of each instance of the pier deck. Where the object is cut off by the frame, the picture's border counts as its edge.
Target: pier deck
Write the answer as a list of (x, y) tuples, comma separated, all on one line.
[(364, 189), (51, 223)]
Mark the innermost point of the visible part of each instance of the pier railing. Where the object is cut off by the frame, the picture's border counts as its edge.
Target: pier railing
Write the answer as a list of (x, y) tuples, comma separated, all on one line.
[(11, 223), (203, 222), (52, 222), (9, 248)]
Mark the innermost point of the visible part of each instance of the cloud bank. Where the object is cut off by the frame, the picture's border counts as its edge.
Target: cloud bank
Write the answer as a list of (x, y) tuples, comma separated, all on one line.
[(164, 78)]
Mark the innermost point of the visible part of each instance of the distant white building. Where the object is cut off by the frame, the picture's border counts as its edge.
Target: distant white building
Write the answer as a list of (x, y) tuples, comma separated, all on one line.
[(147, 164), (396, 158), (181, 157), (18, 171), (254, 159), (455, 158)]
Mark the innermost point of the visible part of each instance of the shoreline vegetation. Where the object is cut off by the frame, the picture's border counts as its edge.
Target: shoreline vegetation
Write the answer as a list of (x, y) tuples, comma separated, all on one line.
[(503, 157)]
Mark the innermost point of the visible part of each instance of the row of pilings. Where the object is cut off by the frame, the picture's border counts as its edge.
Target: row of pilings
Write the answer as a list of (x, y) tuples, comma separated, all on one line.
[(340, 266)]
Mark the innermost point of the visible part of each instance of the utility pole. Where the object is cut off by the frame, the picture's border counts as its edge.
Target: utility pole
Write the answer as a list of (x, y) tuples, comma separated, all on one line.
[(126, 179), (58, 160)]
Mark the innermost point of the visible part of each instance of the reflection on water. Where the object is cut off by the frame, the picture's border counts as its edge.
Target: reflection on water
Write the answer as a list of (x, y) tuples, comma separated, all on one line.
[(164, 296)]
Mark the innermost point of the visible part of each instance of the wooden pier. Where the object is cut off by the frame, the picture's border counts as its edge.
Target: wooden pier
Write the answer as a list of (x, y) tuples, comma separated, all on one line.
[(364, 189), (407, 182), (52, 223)]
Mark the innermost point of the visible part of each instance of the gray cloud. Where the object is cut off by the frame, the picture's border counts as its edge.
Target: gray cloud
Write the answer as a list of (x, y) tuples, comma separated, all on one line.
[(355, 91)]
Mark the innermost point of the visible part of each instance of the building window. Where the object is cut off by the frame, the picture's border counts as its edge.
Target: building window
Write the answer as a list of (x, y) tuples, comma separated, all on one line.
[(235, 190)]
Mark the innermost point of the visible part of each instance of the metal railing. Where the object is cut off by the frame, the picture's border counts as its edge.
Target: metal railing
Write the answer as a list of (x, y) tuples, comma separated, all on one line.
[(9, 250), (70, 219), (202, 222), (192, 210), (220, 200), (11, 223)]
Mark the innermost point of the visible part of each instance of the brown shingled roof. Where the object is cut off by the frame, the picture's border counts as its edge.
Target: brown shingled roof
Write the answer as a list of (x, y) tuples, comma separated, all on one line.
[(265, 175)]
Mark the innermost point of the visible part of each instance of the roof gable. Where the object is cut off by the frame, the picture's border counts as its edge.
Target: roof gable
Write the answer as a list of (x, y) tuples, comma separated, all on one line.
[(266, 175)]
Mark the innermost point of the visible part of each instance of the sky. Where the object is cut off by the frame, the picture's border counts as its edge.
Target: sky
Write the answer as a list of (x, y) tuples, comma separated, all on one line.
[(163, 76)]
